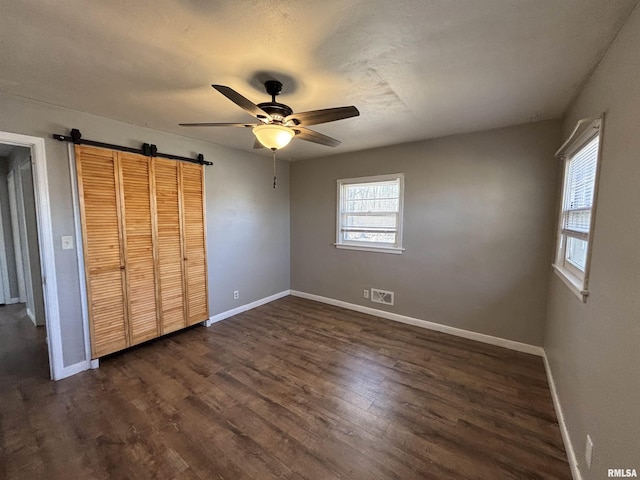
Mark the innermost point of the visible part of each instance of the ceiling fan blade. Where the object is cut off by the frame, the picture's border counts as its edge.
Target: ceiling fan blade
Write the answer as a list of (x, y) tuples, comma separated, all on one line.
[(257, 145), (315, 117), (315, 137), (243, 102), (206, 124)]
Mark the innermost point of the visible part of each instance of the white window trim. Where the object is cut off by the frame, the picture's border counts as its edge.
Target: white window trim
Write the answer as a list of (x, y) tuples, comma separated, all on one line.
[(379, 248), (575, 280), (347, 246)]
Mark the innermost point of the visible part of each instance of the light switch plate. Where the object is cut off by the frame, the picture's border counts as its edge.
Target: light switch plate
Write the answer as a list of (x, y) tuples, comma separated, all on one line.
[(67, 242)]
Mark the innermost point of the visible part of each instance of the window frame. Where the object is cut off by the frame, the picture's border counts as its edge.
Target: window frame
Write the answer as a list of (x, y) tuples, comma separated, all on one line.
[(396, 248), (576, 279)]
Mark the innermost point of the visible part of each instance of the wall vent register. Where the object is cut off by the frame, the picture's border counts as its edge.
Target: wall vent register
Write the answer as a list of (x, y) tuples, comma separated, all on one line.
[(382, 296)]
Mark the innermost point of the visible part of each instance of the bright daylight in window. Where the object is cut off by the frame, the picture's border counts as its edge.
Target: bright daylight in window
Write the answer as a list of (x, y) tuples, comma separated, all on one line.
[(579, 195), (369, 213)]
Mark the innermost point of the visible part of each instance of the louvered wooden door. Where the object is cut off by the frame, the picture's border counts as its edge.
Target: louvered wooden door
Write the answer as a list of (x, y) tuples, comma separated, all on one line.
[(169, 244), (194, 242), (99, 191), (144, 246), (139, 261)]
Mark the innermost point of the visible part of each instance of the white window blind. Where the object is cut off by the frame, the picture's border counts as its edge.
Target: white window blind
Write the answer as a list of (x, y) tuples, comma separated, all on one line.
[(369, 211), (579, 193), (580, 154)]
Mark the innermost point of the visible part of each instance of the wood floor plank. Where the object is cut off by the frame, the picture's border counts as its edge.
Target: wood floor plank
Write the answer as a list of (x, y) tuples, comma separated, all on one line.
[(293, 389)]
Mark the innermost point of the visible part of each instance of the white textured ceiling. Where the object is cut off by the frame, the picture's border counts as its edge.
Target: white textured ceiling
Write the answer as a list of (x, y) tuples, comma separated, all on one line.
[(415, 69)]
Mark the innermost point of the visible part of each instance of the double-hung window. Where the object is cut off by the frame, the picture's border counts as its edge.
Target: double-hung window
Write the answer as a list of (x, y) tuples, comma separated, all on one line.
[(581, 158), (369, 215)]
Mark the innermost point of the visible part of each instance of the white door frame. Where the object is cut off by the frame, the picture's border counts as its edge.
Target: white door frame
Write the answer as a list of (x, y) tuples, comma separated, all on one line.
[(24, 238), (5, 292), (13, 207), (45, 241), (75, 196)]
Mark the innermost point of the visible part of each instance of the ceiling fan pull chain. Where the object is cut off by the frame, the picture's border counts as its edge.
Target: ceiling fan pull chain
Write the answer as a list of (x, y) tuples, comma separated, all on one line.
[(274, 167)]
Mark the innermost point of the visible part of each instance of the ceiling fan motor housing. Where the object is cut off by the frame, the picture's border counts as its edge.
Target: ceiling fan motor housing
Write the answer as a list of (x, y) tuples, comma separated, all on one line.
[(278, 111)]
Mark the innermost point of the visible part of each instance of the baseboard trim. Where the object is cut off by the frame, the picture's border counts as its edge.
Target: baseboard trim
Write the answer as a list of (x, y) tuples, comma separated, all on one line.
[(566, 438), (73, 369), (13, 300), (243, 308), (458, 332), (31, 316)]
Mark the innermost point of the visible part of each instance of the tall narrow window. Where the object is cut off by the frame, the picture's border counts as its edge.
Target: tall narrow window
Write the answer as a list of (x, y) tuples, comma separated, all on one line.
[(369, 213), (581, 156)]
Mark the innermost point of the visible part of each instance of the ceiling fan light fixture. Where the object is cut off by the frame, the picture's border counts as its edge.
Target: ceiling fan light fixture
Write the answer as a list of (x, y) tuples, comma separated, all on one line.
[(273, 136)]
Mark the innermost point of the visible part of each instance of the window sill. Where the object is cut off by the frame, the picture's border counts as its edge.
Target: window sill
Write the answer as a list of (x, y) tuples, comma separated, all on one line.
[(345, 246), (571, 281)]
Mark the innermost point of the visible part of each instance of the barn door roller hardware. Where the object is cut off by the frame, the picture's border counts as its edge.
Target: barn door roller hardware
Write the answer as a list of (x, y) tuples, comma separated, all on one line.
[(148, 150)]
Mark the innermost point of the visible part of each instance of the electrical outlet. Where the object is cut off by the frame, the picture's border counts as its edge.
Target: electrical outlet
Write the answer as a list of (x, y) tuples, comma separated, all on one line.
[(236, 294), (588, 451), (365, 294)]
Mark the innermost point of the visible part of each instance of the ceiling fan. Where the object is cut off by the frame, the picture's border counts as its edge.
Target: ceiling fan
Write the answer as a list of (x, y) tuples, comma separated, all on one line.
[(277, 122)]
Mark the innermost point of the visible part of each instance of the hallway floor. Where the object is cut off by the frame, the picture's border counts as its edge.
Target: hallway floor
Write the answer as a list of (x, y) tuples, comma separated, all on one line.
[(23, 347)]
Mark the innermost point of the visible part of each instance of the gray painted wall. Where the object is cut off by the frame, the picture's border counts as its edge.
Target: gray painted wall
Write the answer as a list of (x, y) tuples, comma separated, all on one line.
[(478, 229), (247, 220), (593, 348)]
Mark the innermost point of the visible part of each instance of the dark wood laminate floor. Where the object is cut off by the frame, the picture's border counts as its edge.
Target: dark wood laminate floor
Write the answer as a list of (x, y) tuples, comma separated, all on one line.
[(292, 389)]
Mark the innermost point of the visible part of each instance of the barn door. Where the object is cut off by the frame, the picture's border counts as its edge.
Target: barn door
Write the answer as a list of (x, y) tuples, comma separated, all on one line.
[(100, 208), (143, 227)]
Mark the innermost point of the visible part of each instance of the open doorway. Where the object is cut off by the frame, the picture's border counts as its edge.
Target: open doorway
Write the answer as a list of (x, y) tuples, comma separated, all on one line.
[(22, 313), (33, 179)]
